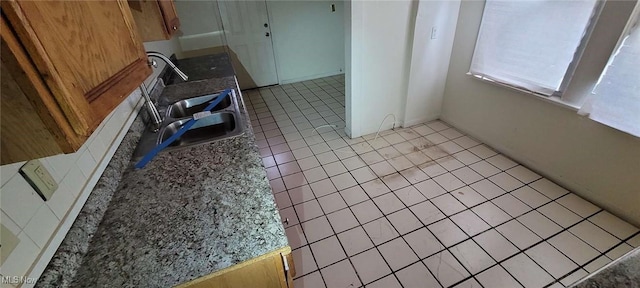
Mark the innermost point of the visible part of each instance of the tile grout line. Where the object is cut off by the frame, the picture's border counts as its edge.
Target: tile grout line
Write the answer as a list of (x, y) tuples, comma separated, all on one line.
[(594, 259), (454, 222), (334, 233), (448, 170), (349, 207)]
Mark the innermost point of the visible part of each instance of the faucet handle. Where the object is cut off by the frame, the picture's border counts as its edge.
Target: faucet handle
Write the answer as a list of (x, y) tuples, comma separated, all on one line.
[(152, 62)]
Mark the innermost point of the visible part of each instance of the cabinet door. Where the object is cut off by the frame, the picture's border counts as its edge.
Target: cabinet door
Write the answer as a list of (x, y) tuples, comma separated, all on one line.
[(88, 53), (170, 16), (266, 271), (156, 20), (33, 126)]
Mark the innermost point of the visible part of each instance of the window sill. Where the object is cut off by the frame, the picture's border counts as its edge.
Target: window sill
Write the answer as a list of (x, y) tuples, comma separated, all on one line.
[(607, 121), (550, 99)]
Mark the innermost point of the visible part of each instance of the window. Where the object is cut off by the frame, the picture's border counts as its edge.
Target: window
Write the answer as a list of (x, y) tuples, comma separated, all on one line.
[(531, 44), (582, 54), (615, 101)]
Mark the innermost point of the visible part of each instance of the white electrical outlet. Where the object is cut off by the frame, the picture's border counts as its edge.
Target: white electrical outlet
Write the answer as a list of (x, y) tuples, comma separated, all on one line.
[(39, 178), (434, 32)]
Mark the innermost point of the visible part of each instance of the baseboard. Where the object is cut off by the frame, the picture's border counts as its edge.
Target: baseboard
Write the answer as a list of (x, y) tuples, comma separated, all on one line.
[(420, 120), (316, 76)]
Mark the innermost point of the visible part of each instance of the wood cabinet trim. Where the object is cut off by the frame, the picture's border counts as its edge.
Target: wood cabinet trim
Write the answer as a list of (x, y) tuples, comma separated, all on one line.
[(131, 23), (170, 16), (284, 283), (152, 26), (128, 79), (79, 118), (69, 84), (155, 18), (15, 58), (126, 83), (292, 268), (275, 255)]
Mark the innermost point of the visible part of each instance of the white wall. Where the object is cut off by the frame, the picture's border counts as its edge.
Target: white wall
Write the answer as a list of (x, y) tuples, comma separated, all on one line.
[(430, 60), (595, 161), (349, 19), (200, 24), (308, 39), (41, 225), (378, 68), (197, 17)]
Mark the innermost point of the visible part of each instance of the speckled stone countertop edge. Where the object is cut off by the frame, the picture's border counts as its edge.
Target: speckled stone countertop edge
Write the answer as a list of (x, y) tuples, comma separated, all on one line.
[(245, 223), (69, 258)]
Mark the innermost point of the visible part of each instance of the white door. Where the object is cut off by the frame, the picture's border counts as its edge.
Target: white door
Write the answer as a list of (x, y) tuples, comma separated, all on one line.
[(248, 33)]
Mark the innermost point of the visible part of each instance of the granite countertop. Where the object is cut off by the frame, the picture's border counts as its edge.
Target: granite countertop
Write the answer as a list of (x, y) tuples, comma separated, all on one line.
[(624, 272), (187, 214), (201, 68)]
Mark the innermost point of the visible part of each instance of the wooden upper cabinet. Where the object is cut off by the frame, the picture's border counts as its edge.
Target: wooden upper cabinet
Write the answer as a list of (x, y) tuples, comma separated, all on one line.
[(73, 62), (156, 19), (88, 53)]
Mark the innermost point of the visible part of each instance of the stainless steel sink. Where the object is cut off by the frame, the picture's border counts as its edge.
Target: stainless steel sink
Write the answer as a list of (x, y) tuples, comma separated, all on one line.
[(188, 107), (225, 122), (210, 128)]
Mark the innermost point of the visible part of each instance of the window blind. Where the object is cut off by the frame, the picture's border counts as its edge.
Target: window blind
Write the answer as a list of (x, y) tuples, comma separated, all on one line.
[(530, 44), (616, 98)]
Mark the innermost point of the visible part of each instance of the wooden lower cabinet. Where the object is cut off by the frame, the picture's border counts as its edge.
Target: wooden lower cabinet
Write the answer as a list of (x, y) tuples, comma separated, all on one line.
[(271, 270)]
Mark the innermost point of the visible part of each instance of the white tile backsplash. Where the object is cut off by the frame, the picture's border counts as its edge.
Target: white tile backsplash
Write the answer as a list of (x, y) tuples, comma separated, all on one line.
[(42, 226), (97, 148), (60, 164), (62, 200), (19, 200), (75, 181), (7, 171), (110, 129), (36, 221), (12, 226), (20, 260), (86, 163)]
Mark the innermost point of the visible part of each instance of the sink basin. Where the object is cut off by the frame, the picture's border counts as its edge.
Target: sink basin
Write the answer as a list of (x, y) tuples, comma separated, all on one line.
[(188, 107), (225, 121), (210, 128)]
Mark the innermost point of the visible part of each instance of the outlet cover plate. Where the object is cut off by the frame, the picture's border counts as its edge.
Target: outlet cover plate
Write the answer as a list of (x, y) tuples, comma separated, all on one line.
[(39, 178)]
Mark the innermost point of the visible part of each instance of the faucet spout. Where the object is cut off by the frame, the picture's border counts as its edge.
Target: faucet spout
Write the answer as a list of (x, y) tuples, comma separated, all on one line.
[(156, 118), (151, 109), (168, 61)]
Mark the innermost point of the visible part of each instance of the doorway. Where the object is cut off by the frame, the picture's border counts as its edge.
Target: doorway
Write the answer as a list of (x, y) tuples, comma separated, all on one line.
[(248, 34), (274, 42), (239, 28)]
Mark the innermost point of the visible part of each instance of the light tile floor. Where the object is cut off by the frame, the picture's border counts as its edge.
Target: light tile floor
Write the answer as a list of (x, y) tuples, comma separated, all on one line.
[(424, 206)]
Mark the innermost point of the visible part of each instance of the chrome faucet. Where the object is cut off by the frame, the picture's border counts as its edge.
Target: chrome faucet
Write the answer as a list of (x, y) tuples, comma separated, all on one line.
[(153, 111), (165, 59)]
